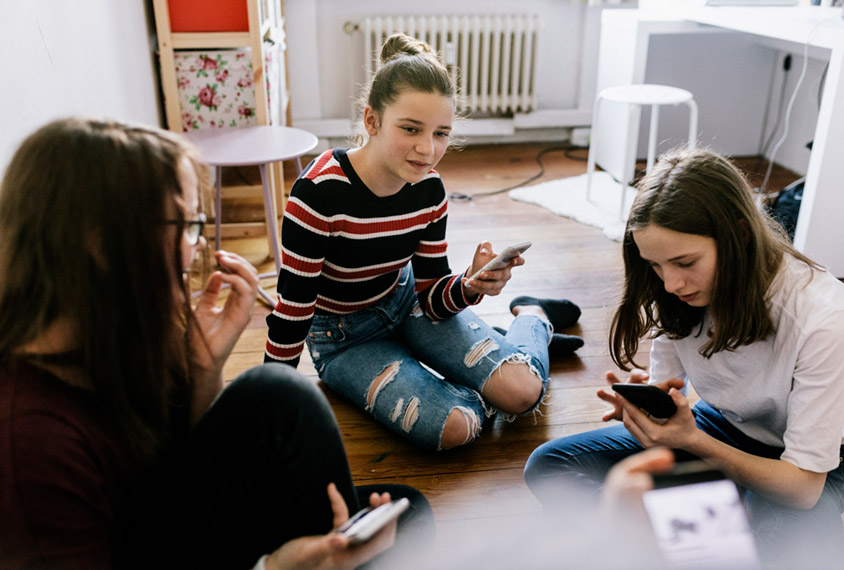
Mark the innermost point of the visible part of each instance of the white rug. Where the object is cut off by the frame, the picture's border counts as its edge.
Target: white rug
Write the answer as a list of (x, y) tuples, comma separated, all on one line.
[(567, 197)]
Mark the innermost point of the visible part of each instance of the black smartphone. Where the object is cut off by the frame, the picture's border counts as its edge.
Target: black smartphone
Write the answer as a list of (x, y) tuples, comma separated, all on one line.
[(699, 519), (366, 523), (648, 397)]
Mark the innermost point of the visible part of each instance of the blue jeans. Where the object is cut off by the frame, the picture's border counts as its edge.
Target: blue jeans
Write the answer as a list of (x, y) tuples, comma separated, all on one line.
[(784, 535), (424, 368)]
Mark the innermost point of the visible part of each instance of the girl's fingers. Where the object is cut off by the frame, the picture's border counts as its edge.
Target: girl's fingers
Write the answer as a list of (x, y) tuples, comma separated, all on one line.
[(214, 283), (638, 376), (635, 429), (338, 505), (235, 263), (239, 284), (607, 396), (377, 500)]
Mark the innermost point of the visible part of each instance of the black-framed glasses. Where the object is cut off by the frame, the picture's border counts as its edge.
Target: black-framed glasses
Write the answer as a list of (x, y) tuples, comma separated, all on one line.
[(193, 228)]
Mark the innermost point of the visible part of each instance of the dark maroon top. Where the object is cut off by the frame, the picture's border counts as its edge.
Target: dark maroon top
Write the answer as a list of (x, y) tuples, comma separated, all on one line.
[(62, 478)]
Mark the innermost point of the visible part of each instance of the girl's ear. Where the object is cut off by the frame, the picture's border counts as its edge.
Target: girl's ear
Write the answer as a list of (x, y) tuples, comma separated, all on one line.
[(371, 121)]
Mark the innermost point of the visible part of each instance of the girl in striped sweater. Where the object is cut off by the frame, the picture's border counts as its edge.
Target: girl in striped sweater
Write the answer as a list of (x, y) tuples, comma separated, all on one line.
[(365, 280)]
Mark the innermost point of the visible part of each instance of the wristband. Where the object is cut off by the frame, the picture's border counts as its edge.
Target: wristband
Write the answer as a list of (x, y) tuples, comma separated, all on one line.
[(262, 563)]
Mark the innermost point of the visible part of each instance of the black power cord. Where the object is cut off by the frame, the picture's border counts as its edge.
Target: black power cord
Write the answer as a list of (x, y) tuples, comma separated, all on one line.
[(566, 149)]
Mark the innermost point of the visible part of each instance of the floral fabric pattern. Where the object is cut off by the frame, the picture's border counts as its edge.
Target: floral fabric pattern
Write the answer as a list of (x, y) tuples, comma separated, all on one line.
[(216, 88)]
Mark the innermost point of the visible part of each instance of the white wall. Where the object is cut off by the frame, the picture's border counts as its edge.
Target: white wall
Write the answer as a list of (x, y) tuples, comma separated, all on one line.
[(738, 82), (326, 64), (74, 57)]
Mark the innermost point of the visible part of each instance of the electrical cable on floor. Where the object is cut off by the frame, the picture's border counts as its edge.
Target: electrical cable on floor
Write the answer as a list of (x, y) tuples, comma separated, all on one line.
[(543, 152), (568, 153)]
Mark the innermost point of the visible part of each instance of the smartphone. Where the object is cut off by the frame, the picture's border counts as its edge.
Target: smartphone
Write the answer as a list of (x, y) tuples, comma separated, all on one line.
[(366, 523), (502, 259), (699, 519), (648, 397)]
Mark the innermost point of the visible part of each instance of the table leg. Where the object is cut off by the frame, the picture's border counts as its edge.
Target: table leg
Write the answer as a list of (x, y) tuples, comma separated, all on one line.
[(272, 224), (272, 227), (218, 208)]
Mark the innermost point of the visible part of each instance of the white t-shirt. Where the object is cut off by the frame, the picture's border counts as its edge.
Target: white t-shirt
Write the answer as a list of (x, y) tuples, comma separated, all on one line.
[(786, 391)]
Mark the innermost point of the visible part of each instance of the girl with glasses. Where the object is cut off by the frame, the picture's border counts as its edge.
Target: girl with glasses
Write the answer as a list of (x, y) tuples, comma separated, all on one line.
[(119, 446)]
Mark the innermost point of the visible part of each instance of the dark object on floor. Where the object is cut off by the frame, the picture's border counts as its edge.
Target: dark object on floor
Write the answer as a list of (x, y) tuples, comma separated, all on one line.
[(561, 312), (787, 206), (561, 344)]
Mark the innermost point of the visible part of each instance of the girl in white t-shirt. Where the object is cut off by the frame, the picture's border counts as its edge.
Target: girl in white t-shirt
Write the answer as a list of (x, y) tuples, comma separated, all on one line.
[(755, 327)]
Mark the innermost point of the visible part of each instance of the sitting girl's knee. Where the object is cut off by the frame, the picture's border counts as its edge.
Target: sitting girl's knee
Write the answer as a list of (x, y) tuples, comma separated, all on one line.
[(461, 427), (275, 386), (519, 385)]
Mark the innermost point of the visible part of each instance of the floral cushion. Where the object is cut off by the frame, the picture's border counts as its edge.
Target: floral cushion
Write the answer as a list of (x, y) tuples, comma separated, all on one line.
[(215, 87)]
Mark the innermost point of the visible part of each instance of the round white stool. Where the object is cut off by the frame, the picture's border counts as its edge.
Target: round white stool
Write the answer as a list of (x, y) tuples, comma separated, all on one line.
[(636, 96)]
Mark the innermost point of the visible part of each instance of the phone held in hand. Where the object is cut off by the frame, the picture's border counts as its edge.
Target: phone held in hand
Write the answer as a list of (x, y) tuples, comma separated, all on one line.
[(699, 519), (366, 523), (501, 260), (648, 397)]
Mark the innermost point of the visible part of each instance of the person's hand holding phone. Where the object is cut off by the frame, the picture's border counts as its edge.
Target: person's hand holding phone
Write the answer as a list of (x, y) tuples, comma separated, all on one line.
[(655, 401), (488, 275), (637, 376), (669, 512), (628, 479), (678, 429), (333, 551), (676, 432)]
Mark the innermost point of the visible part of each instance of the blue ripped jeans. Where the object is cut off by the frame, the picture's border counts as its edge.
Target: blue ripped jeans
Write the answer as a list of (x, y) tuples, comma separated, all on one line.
[(426, 368)]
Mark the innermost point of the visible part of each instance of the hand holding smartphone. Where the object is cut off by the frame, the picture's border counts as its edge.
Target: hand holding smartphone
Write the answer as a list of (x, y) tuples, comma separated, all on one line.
[(366, 523), (699, 519), (502, 259), (648, 397)]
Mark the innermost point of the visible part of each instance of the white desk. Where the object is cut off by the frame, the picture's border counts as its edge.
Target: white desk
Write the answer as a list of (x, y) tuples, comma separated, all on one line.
[(623, 59)]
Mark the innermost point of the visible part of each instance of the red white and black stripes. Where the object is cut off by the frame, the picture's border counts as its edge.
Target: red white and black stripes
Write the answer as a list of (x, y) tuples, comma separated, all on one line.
[(343, 248)]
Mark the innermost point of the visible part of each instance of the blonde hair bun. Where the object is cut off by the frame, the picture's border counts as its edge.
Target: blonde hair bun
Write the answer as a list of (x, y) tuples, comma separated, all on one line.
[(401, 44)]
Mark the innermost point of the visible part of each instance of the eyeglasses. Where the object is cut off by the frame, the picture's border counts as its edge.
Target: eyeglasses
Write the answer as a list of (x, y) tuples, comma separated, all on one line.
[(193, 228)]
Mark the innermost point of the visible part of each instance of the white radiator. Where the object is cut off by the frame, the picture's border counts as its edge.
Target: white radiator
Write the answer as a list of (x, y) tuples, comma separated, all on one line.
[(492, 58)]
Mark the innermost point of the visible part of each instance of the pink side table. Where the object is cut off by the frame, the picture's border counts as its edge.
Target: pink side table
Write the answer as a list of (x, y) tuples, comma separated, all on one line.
[(252, 146)]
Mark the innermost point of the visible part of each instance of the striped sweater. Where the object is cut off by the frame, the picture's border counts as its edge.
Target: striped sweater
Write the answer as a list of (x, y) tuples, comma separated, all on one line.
[(343, 248)]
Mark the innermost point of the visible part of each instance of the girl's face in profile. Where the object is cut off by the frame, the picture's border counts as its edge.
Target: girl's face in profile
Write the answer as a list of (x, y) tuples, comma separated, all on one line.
[(686, 263), (190, 196)]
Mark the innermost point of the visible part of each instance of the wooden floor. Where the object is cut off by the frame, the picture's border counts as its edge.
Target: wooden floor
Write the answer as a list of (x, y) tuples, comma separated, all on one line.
[(483, 481)]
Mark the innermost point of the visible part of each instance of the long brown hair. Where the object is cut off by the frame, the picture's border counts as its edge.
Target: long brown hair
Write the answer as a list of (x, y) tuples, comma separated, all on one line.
[(702, 193), (407, 64), (82, 238)]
